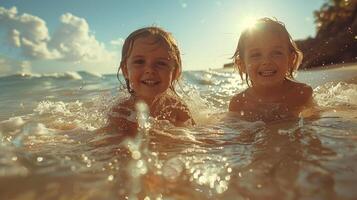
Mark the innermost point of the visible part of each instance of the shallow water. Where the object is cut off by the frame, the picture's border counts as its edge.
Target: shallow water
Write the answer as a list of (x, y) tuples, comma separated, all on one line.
[(50, 149)]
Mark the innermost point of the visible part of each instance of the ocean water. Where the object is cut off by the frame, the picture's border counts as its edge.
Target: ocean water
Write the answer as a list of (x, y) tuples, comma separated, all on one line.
[(49, 147)]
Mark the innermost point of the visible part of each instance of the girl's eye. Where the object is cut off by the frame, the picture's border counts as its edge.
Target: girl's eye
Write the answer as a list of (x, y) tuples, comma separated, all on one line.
[(139, 62), (161, 64), (277, 53), (255, 55)]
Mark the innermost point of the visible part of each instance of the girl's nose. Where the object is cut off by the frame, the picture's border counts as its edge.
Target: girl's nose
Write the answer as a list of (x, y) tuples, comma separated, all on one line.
[(149, 68), (266, 59)]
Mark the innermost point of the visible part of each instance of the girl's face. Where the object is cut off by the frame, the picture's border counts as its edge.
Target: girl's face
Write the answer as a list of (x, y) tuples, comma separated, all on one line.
[(149, 68), (266, 59)]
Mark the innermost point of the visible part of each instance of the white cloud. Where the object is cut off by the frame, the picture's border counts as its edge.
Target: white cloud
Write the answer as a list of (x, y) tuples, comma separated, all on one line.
[(75, 42), (14, 38), (10, 66), (71, 42), (28, 28), (117, 42), (5, 66)]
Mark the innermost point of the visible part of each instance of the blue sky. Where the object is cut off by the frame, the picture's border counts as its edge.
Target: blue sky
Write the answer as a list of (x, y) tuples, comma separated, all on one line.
[(43, 36)]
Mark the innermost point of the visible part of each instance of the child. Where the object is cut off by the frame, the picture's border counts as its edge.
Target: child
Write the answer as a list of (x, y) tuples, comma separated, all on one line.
[(267, 57), (151, 65)]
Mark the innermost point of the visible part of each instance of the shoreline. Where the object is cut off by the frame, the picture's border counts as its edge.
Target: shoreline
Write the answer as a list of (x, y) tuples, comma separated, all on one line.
[(316, 76)]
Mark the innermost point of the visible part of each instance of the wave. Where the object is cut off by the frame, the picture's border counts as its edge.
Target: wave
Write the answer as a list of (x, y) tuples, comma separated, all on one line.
[(58, 75)]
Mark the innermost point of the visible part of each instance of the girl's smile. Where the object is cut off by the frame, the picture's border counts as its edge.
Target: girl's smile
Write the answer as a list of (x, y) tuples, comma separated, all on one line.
[(149, 68), (267, 59), (267, 73)]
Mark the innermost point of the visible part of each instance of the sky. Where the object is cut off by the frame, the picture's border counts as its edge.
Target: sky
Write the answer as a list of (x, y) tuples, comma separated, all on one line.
[(44, 36)]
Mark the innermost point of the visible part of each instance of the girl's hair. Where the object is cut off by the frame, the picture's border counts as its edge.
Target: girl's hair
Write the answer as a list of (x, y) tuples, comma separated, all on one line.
[(160, 36), (277, 27)]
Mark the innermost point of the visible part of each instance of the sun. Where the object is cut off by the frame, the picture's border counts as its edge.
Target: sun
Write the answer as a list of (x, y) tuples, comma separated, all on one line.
[(248, 22)]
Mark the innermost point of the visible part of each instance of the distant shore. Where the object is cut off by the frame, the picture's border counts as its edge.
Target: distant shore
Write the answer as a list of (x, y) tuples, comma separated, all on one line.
[(231, 65), (315, 76)]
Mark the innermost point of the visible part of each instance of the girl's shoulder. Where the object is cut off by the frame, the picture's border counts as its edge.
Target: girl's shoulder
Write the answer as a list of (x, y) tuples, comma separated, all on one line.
[(239, 100), (173, 108), (124, 107), (300, 88), (171, 101), (300, 93)]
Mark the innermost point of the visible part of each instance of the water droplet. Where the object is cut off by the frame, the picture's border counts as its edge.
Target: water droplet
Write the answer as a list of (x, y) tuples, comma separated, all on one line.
[(39, 159), (140, 164), (110, 178), (227, 178), (239, 174), (136, 155)]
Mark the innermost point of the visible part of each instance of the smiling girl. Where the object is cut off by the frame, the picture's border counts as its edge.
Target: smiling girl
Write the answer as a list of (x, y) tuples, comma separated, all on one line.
[(267, 58), (151, 65)]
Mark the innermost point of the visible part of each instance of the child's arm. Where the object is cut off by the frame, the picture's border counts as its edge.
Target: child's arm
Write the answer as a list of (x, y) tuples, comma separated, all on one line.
[(184, 117), (121, 118), (173, 110)]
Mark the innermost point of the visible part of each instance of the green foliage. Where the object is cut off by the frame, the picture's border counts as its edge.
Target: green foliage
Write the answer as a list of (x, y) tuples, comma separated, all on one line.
[(334, 11)]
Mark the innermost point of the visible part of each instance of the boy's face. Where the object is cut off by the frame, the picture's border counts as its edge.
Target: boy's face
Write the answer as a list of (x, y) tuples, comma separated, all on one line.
[(149, 68), (267, 58)]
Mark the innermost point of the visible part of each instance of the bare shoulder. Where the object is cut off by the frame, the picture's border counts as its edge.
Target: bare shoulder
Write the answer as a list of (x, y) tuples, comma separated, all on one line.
[(300, 94), (238, 101), (122, 117), (175, 110), (127, 104)]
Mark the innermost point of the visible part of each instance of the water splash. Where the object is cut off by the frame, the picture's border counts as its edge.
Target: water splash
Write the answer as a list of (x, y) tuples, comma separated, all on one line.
[(140, 154)]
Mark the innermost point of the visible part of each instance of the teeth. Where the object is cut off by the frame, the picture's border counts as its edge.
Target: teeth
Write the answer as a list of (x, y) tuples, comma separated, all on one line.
[(149, 82), (267, 72)]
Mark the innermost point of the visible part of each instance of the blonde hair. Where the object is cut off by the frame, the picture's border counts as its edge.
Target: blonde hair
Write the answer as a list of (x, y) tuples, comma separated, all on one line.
[(263, 25), (160, 35)]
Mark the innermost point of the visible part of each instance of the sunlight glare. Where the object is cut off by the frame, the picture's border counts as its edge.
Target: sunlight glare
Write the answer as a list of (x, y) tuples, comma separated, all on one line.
[(248, 22)]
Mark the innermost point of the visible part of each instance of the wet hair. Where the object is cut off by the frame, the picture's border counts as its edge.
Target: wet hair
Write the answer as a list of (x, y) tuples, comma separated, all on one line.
[(263, 25), (160, 36)]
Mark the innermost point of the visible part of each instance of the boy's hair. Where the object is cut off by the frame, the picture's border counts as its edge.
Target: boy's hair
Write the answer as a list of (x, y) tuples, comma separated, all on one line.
[(268, 24), (160, 35)]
